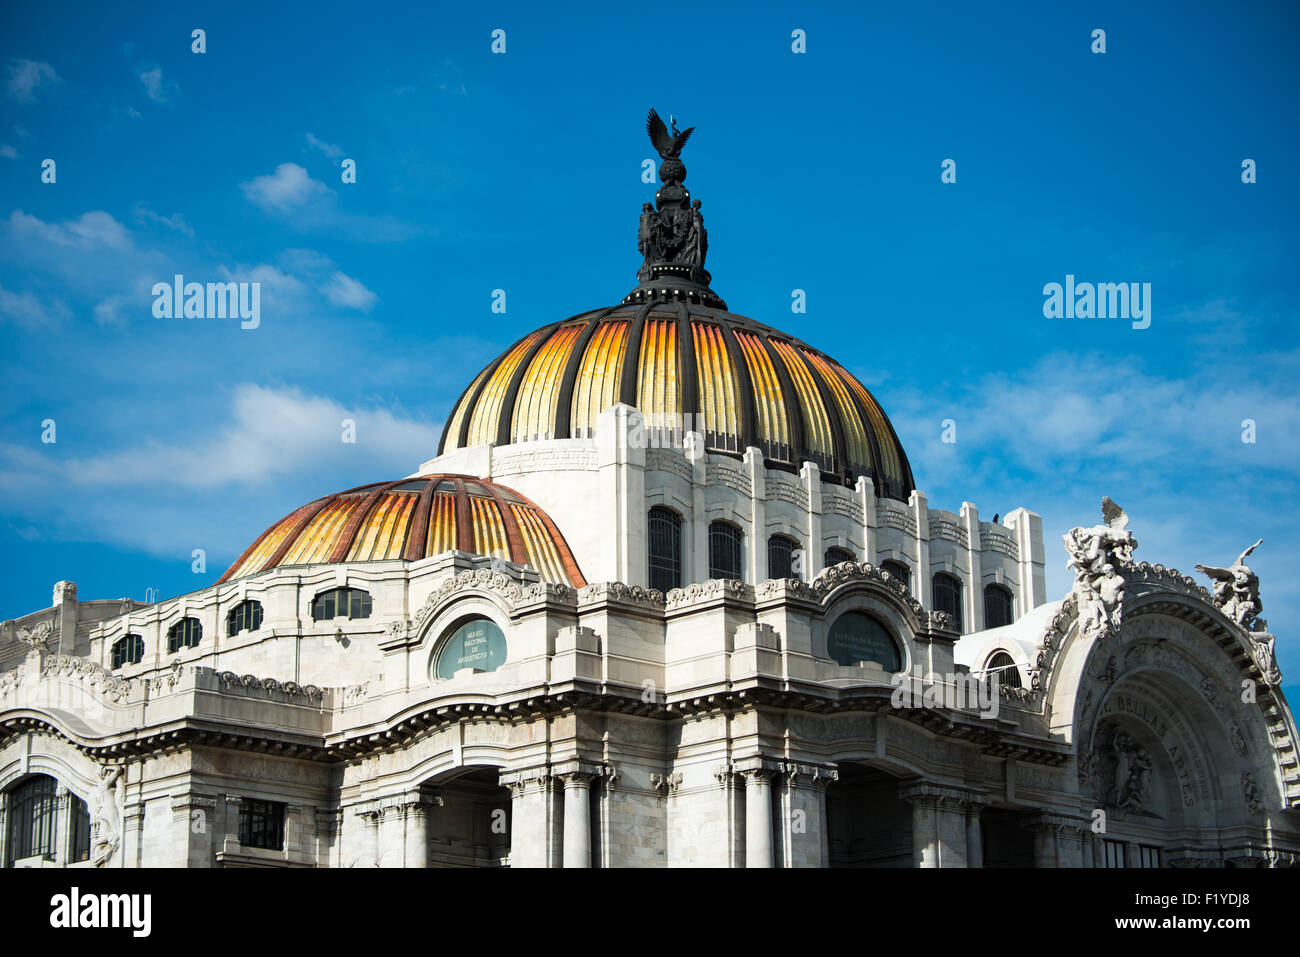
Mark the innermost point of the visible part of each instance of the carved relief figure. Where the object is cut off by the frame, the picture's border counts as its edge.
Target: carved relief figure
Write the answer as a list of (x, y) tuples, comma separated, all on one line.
[(105, 818), (1122, 770)]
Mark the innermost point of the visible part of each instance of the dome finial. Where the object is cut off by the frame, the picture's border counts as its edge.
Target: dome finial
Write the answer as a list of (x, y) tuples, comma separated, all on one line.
[(672, 238)]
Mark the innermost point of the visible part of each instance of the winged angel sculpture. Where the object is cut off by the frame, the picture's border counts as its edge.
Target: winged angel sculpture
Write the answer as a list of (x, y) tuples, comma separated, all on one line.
[(1236, 593), (668, 146), (1097, 555)]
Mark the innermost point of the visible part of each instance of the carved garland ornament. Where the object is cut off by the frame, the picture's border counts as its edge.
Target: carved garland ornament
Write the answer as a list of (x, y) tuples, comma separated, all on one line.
[(92, 674)]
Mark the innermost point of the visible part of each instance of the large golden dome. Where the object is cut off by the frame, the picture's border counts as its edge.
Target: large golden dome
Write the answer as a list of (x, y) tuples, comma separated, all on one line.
[(749, 385)]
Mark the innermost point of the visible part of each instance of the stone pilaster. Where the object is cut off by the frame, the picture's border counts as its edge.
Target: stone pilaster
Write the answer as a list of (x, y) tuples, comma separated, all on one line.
[(758, 817), (939, 829), (194, 818), (535, 840), (577, 818), (802, 828), (131, 850)]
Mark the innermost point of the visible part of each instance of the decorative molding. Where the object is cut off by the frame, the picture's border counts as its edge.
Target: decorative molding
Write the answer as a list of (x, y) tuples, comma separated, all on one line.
[(251, 683), (95, 676)]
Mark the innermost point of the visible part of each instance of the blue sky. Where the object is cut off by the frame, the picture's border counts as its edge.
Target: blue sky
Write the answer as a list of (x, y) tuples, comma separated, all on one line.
[(522, 171)]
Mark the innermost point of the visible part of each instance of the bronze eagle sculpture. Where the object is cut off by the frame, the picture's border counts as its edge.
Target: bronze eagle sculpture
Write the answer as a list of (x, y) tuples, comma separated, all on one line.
[(668, 145)]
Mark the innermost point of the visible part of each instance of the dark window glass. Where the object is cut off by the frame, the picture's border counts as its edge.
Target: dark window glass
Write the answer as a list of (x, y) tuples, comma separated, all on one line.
[(724, 550), (341, 603), (80, 823), (898, 570), (856, 637), (947, 596), (33, 819), (665, 549), (837, 556), (246, 616), (781, 550), (1114, 854), (186, 633), (261, 824), (1004, 666), (997, 606), (128, 650)]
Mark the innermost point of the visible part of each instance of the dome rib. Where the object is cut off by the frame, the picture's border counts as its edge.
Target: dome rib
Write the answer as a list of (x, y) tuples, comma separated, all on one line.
[(388, 521), (564, 405), (628, 378), (753, 386)]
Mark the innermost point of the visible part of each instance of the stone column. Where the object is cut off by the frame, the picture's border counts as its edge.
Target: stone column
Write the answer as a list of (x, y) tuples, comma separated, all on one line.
[(532, 819), (939, 831), (369, 851), (194, 818), (230, 840), (392, 835), (577, 819), (1052, 846), (974, 835), (4, 829), (131, 850), (758, 817), (63, 824), (417, 810), (803, 828)]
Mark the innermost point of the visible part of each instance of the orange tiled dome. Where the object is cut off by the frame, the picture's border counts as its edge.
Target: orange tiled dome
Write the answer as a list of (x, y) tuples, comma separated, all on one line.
[(748, 384), (413, 519)]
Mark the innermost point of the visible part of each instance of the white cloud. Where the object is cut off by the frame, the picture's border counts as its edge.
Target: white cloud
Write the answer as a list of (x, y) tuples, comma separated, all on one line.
[(89, 231), (155, 87), (271, 450), (329, 149), (289, 187), (26, 310), (175, 221), (28, 76), (345, 291), (8, 152)]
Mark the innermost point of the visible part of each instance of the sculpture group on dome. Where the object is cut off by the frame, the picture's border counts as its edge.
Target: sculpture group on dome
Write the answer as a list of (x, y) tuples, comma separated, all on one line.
[(1097, 555), (672, 235), (1236, 593)]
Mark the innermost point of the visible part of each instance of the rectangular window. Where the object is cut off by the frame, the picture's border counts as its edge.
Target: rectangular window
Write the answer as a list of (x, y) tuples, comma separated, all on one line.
[(1148, 856), (261, 824), (1114, 853)]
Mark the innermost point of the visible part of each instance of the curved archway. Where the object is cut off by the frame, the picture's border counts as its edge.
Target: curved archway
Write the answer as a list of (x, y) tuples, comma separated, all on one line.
[(867, 823)]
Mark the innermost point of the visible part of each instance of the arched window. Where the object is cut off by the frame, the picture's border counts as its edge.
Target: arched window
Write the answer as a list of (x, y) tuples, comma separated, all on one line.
[(341, 603), (34, 819), (186, 633), (246, 616), (947, 596), (856, 637), (835, 555), (899, 570), (665, 528), (724, 550), (1004, 666), (128, 650), (478, 644), (997, 606), (781, 550)]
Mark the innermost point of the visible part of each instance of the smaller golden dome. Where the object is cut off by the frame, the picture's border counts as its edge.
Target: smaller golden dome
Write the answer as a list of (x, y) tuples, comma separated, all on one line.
[(412, 519)]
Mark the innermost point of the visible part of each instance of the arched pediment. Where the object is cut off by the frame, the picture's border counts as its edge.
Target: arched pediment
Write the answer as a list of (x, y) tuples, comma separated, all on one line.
[(1187, 662)]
